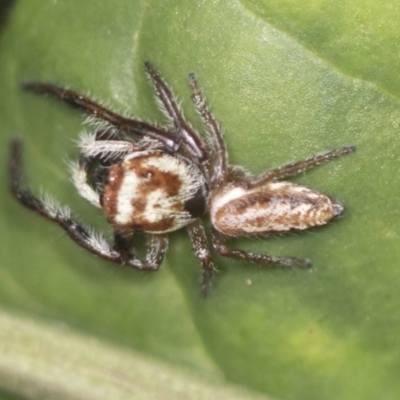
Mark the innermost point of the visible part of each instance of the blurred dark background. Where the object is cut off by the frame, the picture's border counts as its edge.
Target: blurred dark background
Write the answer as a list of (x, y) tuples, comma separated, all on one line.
[(5, 6)]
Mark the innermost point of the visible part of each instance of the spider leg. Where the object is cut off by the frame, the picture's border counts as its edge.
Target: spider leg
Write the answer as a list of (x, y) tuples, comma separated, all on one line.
[(169, 104), (55, 213), (130, 127), (219, 163), (91, 146), (202, 251), (300, 166), (219, 244), (79, 178), (86, 238)]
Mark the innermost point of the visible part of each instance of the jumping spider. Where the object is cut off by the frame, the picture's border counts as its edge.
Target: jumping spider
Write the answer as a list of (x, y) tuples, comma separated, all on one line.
[(155, 180)]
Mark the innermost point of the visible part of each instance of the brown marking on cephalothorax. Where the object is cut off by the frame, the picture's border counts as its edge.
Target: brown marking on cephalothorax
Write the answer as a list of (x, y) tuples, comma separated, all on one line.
[(139, 204), (152, 177), (111, 189), (145, 194), (143, 225)]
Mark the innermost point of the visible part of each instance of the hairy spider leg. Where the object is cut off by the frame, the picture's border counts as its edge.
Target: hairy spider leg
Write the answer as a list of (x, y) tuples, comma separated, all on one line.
[(201, 248), (219, 162), (89, 240), (79, 170), (107, 148), (131, 127), (100, 147), (299, 167), (219, 245), (169, 104)]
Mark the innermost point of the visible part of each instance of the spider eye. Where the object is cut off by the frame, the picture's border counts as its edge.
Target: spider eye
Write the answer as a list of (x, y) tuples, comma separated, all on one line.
[(147, 174)]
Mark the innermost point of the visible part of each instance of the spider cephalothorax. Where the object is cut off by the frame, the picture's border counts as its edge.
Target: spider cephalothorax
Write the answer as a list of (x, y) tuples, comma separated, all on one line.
[(155, 180), (153, 191)]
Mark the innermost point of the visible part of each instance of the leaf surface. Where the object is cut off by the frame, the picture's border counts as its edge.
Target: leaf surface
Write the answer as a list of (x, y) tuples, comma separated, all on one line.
[(285, 80)]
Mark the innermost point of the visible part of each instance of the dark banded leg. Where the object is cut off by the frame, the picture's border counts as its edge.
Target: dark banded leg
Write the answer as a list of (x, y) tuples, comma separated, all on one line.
[(171, 107), (219, 164), (202, 251), (83, 236), (219, 245), (131, 127), (300, 166)]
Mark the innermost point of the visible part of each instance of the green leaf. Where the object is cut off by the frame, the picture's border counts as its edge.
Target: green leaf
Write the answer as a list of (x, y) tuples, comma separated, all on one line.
[(55, 362), (285, 80)]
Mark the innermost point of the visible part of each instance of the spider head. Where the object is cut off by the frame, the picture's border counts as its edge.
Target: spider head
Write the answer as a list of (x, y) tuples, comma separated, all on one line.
[(154, 192)]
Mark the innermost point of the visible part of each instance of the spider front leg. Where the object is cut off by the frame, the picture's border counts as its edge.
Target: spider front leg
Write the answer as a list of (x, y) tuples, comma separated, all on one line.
[(219, 245), (171, 108), (131, 127), (219, 162), (103, 148), (201, 248), (86, 238)]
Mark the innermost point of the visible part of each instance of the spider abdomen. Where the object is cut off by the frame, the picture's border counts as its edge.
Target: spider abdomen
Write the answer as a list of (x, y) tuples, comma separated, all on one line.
[(154, 192), (275, 207)]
